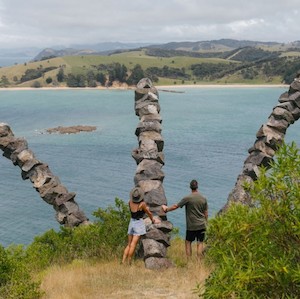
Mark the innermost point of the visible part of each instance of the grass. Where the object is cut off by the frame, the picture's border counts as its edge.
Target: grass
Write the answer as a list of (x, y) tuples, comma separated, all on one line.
[(91, 280), (17, 71), (82, 64), (290, 54), (130, 59)]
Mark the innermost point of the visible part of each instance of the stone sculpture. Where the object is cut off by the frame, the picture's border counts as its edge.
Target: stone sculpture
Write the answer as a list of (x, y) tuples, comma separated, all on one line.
[(269, 137), (44, 181), (149, 175)]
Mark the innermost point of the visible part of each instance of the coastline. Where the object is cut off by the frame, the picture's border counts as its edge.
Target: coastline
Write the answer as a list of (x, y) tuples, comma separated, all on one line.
[(158, 87)]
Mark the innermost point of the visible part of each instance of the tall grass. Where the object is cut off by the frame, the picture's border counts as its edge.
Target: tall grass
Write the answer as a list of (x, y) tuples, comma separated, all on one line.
[(84, 262), (109, 279)]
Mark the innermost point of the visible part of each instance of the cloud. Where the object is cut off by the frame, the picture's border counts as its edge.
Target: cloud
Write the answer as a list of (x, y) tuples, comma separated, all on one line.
[(45, 23)]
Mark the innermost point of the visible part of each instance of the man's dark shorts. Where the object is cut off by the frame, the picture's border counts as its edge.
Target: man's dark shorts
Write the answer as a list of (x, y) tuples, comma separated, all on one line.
[(191, 235)]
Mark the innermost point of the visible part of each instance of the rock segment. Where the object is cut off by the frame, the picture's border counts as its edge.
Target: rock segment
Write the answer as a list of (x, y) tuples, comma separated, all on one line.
[(44, 181), (268, 138), (149, 175)]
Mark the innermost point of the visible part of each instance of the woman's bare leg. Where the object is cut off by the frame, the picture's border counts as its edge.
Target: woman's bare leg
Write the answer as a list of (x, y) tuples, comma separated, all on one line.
[(132, 247), (126, 250)]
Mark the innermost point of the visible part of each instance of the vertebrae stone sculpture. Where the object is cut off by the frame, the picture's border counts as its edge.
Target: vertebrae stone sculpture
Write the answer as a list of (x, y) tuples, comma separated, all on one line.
[(269, 137), (149, 175), (47, 184)]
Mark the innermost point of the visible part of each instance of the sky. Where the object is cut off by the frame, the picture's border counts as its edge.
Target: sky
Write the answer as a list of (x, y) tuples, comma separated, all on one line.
[(46, 23)]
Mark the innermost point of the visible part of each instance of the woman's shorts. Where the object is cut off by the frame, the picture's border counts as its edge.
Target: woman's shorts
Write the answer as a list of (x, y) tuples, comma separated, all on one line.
[(136, 227)]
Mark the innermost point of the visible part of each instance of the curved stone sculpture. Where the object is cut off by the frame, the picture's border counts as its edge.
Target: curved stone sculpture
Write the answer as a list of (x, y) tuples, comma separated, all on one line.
[(149, 175), (269, 137), (44, 181)]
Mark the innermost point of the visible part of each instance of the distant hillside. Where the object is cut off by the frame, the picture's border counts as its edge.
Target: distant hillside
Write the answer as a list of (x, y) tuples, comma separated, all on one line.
[(295, 44), (110, 46), (107, 48), (51, 53), (88, 49), (211, 48), (223, 61), (213, 45)]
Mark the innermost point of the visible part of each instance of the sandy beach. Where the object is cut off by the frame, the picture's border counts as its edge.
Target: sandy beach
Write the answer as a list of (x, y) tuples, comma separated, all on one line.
[(159, 87)]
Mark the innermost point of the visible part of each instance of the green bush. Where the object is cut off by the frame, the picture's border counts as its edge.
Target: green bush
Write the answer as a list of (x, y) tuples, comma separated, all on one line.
[(5, 269), (105, 238), (15, 277), (113, 223), (255, 250)]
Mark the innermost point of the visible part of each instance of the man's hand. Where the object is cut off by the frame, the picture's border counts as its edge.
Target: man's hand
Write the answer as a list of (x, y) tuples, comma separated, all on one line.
[(165, 208)]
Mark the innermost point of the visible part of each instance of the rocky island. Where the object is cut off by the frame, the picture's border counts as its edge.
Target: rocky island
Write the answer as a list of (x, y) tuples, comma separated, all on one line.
[(71, 130)]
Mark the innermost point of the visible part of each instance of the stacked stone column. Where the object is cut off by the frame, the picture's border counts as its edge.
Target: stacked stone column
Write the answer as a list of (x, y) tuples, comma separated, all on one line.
[(149, 175), (269, 137), (48, 185)]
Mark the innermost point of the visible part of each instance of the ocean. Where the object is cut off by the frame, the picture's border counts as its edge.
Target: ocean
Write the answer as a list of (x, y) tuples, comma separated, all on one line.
[(10, 61), (207, 133)]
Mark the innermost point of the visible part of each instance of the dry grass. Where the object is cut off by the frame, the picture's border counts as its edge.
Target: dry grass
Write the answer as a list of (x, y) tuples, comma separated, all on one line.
[(83, 280)]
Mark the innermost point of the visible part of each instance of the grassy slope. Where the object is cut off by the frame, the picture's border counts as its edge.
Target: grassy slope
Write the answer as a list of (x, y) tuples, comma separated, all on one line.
[(81, 64), (19, 70), (91, 280), (130, 59)]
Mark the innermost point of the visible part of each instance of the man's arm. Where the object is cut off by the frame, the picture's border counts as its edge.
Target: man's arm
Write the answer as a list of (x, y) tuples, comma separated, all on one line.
[(206, 215), (169, 209)]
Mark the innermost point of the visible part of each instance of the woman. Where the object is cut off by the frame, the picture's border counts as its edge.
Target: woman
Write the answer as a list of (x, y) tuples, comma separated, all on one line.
[(136, 228)]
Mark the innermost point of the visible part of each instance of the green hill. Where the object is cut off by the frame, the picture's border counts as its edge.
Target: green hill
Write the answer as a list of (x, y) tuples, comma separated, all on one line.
[(252, 64)]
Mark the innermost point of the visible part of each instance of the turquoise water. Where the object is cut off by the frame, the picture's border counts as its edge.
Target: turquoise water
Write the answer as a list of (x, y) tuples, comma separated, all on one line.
[(207, 133)]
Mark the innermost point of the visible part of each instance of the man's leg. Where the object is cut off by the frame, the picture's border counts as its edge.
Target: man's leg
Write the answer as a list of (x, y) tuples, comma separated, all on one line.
[(199, 249), (200, 244), (188, 248)]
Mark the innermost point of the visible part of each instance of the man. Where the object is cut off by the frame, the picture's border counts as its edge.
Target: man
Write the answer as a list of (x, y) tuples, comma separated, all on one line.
[(196, 212)]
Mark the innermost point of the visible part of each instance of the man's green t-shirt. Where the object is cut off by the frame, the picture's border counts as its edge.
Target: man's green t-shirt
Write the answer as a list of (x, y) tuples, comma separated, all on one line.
[(195, 207)]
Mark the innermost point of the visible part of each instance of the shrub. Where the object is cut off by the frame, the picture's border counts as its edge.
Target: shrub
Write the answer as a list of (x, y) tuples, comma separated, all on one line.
[(255, 250), (101, 78), (5, 268), (113, 223), (36, 84), (76, 80), (136, 75), (49, 80), (15, 277), (60, 75), (103, 239)]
